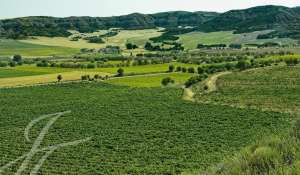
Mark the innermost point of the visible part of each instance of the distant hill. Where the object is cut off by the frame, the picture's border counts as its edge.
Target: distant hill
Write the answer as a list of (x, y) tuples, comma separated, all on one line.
[(283, 20), (50, 26)]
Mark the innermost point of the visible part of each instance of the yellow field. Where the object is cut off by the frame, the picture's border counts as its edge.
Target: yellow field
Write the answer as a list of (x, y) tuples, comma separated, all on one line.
[(49, 78), (139, 37)]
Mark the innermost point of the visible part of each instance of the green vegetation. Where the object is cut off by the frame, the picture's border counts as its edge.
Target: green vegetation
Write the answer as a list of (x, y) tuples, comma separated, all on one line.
[(166, 137), (8, 72), (12, 47), (273, 88), (150, 80), (192, 39)]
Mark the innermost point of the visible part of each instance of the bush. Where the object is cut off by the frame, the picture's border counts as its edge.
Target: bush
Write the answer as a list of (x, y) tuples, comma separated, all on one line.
[(191, 70), (59, 77), (200, 70), (194, 80), (91, 66), (171, 68), (291, 61), (120, 72), (166, 81), (242, 65), (12, 64), (85, 77), (178, 69), (17, 58), (3, 64), (183, 70)]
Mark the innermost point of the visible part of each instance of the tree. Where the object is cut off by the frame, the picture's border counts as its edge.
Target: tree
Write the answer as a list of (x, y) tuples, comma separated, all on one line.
[(131, 46), (178, 69), (59, 77), (120, 72), (17, 58), (242, 65), (12, 64), (171, 68), (191, 70), (166, 81), (200, 70), (183, 69), (291, 61)]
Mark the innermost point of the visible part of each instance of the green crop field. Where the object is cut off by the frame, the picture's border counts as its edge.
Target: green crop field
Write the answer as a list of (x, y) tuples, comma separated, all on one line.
[(150, 80), (12, 47), (121, 130), (191, 40), (7, 73), (275, 88)]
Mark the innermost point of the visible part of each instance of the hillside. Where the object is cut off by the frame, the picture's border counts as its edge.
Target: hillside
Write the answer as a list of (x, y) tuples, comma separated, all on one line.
[(50, 26), (286, 21)]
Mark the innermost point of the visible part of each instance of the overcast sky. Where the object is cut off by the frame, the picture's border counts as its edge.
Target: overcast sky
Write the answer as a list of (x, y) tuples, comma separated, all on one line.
[(63, 8)]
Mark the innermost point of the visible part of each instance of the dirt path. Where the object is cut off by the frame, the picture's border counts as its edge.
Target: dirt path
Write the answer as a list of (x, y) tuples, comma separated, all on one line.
[(211, 82), (188, 94)]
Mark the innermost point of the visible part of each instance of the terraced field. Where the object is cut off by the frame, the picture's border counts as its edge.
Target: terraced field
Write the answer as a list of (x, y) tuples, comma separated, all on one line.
[(117, 130)]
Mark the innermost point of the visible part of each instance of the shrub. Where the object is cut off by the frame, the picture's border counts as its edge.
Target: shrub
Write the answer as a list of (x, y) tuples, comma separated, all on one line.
[(3, 64), (59, 77), (200, 70), (85, 77), (191, 70), (194, 80), (96, 76), (178, 69), (120, 72), (12, 64), (291, 61), (166, 81), (171, 68), (242, 65), (17, 58), (91, 66)]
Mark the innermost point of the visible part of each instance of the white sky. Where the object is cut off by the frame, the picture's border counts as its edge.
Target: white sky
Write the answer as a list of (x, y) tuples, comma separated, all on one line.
[(63, 8)]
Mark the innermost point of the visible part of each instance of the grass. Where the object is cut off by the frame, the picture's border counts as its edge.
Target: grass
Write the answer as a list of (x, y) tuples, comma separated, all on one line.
[(272, 88), (191, 40), (12, 47), (42, 79), (133, 130), (8, 72), (150, 80), (139, 37)]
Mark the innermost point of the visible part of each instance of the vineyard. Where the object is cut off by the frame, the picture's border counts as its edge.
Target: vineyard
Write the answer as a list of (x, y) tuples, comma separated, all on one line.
[(273, 88), (122, 130)]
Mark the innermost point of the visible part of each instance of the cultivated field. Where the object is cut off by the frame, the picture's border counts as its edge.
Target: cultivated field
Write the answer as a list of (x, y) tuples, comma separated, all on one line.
[(151, 80), (12, 47), (138, 37), (191, 40), (273, 88), (117, 130)]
